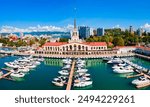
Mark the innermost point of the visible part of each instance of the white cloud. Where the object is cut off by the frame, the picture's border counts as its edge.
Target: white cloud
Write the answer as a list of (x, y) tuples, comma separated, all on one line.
[(38, 28), (146, 27), (117, 26)]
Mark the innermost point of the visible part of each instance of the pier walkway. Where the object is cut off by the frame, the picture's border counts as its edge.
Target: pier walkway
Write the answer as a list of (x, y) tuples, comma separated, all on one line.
[(69, 84), (143, 56), (4, 76)]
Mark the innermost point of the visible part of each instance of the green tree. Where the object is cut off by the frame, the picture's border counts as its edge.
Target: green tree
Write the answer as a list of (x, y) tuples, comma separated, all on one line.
[(63, 40), (118, 41), (42, 41)]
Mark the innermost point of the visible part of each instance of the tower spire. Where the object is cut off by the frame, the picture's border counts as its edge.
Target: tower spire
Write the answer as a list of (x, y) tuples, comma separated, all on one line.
[(75, 25)]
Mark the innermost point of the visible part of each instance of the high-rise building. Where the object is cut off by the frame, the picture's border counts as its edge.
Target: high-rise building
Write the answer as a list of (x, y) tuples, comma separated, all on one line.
[(94, 32), (140, 31), (84, 32), (131, 29), (100, 31)]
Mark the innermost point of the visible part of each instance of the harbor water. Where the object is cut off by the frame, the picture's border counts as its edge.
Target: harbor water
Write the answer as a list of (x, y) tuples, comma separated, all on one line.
[(41, 77)]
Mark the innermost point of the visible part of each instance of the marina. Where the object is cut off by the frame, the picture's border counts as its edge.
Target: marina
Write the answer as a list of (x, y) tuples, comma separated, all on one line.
[(101, 73)]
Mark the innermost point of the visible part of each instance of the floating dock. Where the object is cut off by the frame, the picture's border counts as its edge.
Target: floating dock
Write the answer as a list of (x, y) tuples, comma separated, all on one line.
[(69, 84)]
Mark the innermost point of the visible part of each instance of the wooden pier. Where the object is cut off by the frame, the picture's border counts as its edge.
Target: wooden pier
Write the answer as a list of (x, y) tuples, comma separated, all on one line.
[(143, 56), (4, 76), (69, 84), (132, 76)]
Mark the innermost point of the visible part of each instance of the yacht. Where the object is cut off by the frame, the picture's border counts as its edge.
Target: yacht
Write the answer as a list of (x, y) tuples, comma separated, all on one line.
[(141, 80), (115, 61), (107, 59), (63, 72), (58, 83), (23, 69), (67, 60), (11, 65), (83, 84), (123, 70), (30, 65), (61, 78), (81, 70), (81, 79), (83, 74), (122, 66), (66, 67), (17, 74), (36, 62)]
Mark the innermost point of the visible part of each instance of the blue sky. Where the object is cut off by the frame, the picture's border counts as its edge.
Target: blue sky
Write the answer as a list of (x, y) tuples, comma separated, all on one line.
[(94, 13)]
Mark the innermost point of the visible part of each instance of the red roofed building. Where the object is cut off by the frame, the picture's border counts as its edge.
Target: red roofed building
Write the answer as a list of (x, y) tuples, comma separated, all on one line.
[(75, 46), (13, 37)]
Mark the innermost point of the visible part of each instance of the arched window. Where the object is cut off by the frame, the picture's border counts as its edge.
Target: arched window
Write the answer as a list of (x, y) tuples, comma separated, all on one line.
[(70, 47), (79, 47), (82, 47), (75, 47), (86, 48), (67, 48), (63, 48)]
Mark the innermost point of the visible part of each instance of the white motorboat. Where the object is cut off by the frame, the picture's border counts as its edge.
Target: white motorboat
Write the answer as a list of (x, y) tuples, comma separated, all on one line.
[(61, 78), (36, 63), (122, 64), (30, 66), (83, 84), (141, 80), (115, 61), (17, 74), (66, 60), (66, 67), (11, 65), (60, 84), (107, 59), (63, 72), (81, 70), (122, 67), (23, 69), (81, 79), (40, 59), (83, 74), (117, 67), (123, 70)]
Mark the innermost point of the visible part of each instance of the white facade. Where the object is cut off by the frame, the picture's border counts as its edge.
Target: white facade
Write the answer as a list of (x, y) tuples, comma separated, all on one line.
[(126, 49)]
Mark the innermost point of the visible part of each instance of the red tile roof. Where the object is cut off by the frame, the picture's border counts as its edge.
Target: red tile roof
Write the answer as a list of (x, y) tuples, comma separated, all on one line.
[(54, 43), (95, 43), (84, 43)]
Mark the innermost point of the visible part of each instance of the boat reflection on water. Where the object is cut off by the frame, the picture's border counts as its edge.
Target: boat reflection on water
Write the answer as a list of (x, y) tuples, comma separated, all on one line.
[(53, 62), (58, 62), (93, 62), (18, 79)]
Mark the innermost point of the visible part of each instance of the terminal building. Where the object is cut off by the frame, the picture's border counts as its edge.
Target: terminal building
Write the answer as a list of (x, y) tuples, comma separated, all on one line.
[(75, 46)]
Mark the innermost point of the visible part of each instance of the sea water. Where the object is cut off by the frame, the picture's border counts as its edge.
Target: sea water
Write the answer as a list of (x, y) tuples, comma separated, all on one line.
[(42, 76)]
